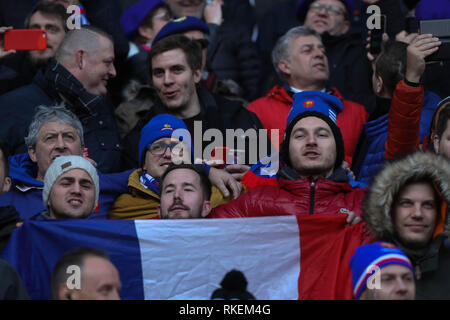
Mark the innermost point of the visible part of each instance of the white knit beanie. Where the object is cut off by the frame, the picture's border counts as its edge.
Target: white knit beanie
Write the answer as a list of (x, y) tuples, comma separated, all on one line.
[(66, 163)]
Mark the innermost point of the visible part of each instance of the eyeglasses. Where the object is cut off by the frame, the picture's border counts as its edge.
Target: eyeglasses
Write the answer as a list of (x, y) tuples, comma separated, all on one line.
[(159, 148), (163, 16), (331, 9)]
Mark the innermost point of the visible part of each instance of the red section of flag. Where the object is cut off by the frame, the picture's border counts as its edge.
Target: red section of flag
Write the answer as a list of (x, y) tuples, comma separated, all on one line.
[(326, 247)]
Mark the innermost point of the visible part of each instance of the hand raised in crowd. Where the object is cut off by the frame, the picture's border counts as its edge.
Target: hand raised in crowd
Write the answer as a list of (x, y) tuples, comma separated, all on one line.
[(225, 183), (346, 167), (237, 170), (352, 219), (4, 53), (405, 37), (371, 56), (213, 12), (422, 46)]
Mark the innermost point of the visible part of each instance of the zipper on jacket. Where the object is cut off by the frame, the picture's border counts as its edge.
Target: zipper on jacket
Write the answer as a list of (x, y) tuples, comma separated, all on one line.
[(311, 199), (418, 274)]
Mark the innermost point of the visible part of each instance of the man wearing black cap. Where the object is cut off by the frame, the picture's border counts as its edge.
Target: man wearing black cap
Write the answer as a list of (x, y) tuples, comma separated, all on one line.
[(311, 179)]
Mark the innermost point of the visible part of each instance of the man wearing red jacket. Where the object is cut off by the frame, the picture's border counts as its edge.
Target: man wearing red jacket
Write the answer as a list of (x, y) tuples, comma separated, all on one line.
[(311, 179), (300, 61)]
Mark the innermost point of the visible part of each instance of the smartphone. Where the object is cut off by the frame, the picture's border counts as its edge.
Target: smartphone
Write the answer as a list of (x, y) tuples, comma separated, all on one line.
[(376, 36), (25, 39), (411, 25)]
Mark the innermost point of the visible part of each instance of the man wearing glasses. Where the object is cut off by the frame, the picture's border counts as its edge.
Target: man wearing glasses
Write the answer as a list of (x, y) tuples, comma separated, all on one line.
[(349, 68), (159, 147), (155, 155)]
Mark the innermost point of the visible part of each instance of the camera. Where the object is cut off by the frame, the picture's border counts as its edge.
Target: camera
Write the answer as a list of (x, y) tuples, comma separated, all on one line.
[(440, 29)]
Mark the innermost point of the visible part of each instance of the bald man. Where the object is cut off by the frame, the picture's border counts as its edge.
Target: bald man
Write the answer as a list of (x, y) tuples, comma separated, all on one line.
[(78, 76)]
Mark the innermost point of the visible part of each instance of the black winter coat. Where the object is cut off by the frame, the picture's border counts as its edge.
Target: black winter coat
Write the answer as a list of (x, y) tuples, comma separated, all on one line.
[(232, 55), (350, 71), (101, 135)]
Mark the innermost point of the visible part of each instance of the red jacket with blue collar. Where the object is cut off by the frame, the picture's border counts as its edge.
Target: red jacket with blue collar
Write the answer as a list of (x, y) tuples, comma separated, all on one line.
[(273, 110), (290, 196)]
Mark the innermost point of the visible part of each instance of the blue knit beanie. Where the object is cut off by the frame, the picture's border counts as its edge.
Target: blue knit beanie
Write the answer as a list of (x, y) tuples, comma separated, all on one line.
[(133, 16), (161, 126), (314, 104), (181, 25), (317, 101), (378, 254)]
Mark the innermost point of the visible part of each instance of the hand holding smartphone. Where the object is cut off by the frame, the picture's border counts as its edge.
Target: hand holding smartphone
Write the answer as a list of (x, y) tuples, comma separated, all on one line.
[(376, 36), (25, 39), (4, 53)]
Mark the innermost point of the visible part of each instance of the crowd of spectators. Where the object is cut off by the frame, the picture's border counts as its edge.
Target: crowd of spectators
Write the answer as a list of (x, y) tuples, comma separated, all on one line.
[(193, 109)]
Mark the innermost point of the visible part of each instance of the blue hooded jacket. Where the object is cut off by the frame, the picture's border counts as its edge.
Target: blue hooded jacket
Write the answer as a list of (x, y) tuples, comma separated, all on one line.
[(26, 193), (377, 134)]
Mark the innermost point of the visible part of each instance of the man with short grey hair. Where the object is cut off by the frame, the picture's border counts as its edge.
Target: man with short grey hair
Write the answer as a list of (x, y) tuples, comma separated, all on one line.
[(78, 77), (300, 60), (54, 132)]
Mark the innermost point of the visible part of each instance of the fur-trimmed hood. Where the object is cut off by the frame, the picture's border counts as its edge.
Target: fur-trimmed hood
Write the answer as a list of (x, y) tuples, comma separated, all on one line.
[(390, 180)]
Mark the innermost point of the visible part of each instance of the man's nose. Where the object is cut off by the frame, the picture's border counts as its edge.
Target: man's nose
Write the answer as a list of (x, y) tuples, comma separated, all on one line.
[(60, 143), (417, 211), (168, 79), (311, 140), (112, 71), (76, 188)]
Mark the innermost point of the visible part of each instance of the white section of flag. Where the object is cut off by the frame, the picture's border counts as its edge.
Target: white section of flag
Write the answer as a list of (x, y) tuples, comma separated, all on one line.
[(187, 259)]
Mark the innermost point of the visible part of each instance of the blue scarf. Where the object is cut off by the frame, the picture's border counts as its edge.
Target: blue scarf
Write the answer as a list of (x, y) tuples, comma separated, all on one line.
[(149, 182)]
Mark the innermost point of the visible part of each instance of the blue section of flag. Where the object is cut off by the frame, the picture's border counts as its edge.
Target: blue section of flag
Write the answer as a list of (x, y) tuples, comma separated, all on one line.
[(34, 249)]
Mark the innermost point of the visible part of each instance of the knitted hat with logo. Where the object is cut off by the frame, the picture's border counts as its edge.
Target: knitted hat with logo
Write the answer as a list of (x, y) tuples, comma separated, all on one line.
[(161, 126), (63, 164), (314, 104)]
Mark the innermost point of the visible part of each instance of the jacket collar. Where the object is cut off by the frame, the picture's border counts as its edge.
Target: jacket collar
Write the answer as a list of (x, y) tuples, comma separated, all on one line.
[(288, 173), (56, 80), (23, 171)]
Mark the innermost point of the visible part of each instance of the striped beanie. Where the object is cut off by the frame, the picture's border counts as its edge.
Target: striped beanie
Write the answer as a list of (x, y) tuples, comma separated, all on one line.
[(367, 258)]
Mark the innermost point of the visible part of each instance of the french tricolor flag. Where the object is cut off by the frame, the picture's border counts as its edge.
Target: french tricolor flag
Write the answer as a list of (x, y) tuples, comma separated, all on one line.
[(283, 258)]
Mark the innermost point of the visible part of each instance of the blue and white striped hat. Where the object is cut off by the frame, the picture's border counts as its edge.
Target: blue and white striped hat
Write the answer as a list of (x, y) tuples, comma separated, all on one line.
[(367, 258)]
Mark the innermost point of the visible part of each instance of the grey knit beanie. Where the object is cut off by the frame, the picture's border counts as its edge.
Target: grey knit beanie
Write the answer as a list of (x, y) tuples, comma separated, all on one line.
[(63, 164)]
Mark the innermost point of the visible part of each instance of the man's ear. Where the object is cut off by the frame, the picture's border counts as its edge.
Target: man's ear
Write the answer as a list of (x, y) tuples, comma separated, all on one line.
[(6, 184), (284, 66), (197, 75), (206, 210), (80, 59), (346, 26), (378, 87), (64, 293), (32, 154), (159, 211), (436, 141)]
